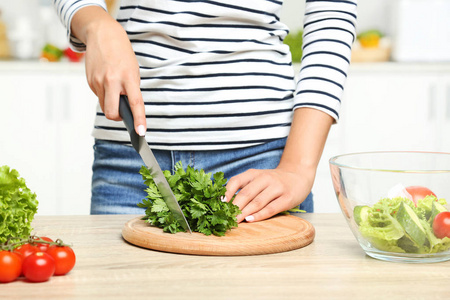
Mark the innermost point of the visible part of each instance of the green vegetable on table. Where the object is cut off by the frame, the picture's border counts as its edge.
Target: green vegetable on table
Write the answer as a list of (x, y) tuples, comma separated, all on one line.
[(199, 197), (398, 225), (18, 205)]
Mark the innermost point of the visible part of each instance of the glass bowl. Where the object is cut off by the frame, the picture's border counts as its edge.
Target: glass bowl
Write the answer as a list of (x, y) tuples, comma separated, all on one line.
[(379, 194)]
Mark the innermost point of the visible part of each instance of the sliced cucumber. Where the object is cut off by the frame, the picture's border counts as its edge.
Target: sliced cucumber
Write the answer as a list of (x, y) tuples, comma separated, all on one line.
[(407, 244), (411, 223), (436, 208), (361, 213)]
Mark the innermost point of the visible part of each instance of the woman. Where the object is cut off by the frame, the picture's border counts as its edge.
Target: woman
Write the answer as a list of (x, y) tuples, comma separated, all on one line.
[(211, 83)]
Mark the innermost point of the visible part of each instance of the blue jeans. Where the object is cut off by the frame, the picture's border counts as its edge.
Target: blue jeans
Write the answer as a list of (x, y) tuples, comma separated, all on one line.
[(117, 186)]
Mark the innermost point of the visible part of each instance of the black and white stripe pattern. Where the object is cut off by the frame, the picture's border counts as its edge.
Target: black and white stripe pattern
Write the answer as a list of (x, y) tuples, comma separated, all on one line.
[(329, 32), (216, 75)]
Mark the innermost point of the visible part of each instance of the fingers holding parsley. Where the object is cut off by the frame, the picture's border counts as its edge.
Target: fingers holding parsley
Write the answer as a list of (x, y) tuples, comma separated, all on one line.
[(211, 206)]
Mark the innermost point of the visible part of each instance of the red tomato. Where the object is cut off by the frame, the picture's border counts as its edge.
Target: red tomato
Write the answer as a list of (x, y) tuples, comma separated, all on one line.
[(419, 192), (38, 267), (10, 266), (441, 225), (43, 246), (26, 249), (64, 258)]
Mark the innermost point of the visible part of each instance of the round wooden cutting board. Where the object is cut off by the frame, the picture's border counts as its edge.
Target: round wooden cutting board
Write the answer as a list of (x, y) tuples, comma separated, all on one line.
[(277, 234)]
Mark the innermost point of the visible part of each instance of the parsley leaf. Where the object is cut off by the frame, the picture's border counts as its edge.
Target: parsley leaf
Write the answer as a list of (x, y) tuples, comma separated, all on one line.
[(199, 198)]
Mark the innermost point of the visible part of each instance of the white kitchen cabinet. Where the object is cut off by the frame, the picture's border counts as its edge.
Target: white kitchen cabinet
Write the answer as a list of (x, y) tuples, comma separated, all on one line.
[(394, 110), (46, 119), (398, 107), (442, 98), (324, 197)]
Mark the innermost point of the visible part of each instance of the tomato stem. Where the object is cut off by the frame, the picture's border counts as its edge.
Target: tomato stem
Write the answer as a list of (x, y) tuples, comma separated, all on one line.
[(32, 239)]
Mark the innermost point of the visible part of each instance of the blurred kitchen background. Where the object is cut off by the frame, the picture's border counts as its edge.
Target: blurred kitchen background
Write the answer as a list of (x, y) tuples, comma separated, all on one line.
[(397, 95)]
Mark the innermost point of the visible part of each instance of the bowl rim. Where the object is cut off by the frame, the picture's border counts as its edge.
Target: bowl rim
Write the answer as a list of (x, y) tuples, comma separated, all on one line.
[(333, 161)]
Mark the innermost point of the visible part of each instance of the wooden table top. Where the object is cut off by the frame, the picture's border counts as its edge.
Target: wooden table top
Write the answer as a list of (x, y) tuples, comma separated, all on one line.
[(332, 267)]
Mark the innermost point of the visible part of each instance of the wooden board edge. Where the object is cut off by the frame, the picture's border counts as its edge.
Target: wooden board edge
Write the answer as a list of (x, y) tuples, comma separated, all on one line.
[(192, 245)]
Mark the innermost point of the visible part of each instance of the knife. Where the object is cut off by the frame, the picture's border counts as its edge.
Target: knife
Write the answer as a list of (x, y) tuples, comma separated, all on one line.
[(140, 144)]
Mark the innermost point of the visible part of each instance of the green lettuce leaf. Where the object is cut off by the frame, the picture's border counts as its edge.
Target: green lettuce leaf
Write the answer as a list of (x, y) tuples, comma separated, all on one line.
[(425, 205), (382, 231), (390, 206), (18, 205)]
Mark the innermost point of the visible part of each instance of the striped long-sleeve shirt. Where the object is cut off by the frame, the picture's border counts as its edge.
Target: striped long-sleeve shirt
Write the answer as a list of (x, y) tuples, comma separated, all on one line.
[(215, 74)]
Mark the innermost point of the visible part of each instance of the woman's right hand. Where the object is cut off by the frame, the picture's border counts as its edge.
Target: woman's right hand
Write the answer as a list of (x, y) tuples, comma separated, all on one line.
[(111, 65)]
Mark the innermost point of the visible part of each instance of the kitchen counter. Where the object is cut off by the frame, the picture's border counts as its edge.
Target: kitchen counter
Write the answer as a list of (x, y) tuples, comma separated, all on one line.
[(332, 267)]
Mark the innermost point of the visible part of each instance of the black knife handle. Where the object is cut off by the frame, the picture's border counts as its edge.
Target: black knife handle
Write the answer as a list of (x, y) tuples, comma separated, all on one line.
[(127, 117)]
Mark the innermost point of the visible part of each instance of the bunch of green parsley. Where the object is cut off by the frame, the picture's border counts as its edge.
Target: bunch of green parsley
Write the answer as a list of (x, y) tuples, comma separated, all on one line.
[(199, 197)]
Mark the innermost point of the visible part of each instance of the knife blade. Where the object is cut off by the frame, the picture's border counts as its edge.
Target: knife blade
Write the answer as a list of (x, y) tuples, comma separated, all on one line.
[(140, 145)]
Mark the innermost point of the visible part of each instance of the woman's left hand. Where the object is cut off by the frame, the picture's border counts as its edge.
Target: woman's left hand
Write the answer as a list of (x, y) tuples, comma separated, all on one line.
[(261, 194), (265, 193)]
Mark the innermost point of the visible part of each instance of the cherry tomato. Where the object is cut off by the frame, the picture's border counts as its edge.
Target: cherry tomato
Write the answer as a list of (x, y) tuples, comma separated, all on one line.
[(43, 246), (26, 249), (64, 258), (419, 192), (10, 266), (441, 225), (38, 267)]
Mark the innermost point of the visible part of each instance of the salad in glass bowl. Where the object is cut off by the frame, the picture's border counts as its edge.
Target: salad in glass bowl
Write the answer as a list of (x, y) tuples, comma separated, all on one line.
[(395, 203)]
